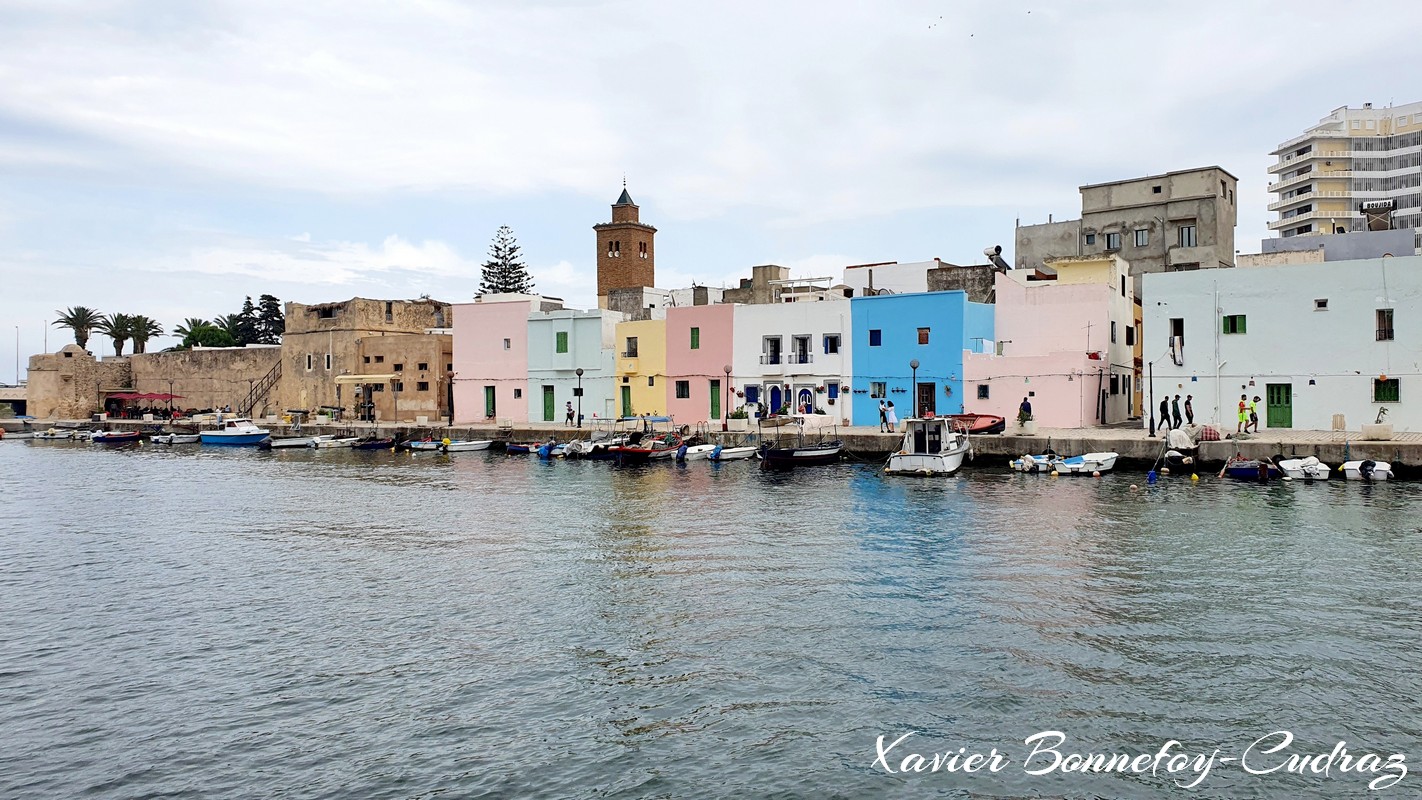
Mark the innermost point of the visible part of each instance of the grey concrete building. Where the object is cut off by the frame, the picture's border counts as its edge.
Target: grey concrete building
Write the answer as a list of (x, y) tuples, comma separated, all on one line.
[(1182, 220)]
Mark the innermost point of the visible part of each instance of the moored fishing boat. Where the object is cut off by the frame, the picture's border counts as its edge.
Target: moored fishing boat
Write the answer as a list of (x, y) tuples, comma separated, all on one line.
[(449, 445), (978, 423), (331, 441), (54, 435), (774, 455), (1089, 464), (235, 431), (1249, 469), (934, 446), (1366, 470), (722, 453), (1307, 469), (375, 443), (116, 437), (640, 448), (695, 452), (278, 442), (175, 438), (1034, 463)]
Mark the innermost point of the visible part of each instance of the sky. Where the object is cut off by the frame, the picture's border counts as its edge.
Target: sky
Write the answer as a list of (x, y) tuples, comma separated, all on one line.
[(171, 158)]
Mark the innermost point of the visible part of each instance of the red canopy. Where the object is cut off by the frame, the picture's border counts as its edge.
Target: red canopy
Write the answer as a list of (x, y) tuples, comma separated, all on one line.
[(144, 396)]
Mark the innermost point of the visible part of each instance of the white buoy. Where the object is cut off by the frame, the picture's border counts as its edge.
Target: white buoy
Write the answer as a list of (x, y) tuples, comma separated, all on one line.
[(1165, 470), (1096, 474), (1134, 487)]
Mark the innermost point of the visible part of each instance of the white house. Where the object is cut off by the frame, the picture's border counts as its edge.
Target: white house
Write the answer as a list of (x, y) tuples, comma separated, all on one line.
[(793, 353), (890, 276), (1310, 340)]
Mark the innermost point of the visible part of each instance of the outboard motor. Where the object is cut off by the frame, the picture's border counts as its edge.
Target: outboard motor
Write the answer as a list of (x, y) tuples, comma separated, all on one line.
[(546, 451), (716, 454), (1365, 470), (681, 455)]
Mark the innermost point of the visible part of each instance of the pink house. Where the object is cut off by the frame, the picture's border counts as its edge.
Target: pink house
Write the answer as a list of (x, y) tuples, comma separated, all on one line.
[(491, 357), (1067, 345), (699, 347)]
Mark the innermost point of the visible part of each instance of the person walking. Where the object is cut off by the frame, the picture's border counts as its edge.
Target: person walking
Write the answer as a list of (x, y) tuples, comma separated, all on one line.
[(1175, 412), (570, 414), (1253, 414), (893, 417), (1243, 413), (1189, 409), (883, 417), (1165, 412)]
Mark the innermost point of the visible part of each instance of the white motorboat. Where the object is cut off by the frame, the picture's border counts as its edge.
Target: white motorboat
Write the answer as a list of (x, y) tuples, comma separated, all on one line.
[(1038, 463), (287, 441), (1088, 464), (697, 452), (175, 438), (731, 453), (930, 447), (17, 435), (235, 431), (451, 445), (1366, 470), (54, 435), (1307, 469), (328, 441)]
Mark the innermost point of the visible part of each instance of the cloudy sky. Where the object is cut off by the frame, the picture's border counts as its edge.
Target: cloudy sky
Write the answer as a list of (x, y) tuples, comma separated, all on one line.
[(169, 158)]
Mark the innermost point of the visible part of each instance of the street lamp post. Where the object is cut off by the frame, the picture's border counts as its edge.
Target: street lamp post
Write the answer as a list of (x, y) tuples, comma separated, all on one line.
[(726, 406), (170, 398), (913, 386), (579, 394)]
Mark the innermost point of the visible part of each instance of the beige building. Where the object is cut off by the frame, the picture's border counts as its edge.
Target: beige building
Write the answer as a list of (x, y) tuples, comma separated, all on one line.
[(204, 377), (388, 358), (72, 384), (1358, 169), (1177, 221)]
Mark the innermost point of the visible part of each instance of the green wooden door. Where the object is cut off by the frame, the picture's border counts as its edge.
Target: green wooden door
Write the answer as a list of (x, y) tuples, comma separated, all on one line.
[(548, 409), (1279, 405), (627, 401), (489, 407), (715, 399)]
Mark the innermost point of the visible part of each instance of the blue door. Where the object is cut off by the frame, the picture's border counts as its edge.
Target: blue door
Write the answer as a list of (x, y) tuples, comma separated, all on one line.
[(774, 400)]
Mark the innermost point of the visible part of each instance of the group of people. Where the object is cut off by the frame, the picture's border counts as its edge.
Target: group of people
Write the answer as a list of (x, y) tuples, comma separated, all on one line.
[(1170, 411), (888, 417), (1248, 414)]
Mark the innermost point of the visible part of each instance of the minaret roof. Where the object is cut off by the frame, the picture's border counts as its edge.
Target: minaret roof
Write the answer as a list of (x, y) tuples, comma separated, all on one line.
[(625, 199)]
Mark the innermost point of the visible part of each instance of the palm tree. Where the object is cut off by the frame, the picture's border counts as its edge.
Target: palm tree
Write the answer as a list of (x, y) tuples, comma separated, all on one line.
[(81, 320), (189, 325), (232, 324), (141, 329), (118, 327)]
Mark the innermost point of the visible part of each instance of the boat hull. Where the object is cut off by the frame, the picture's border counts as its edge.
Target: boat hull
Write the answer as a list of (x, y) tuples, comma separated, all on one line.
[(792, 457), (374, 444), (926, 464), (731, 453), (175, 438), (126, 437), (1367, 470), (1089, 464), (695, 452), (234, 440), (1304, 469), (287, 441), (1251, 470)]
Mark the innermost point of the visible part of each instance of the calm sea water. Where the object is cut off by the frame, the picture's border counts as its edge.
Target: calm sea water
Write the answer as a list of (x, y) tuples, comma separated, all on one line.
[(228, 623)]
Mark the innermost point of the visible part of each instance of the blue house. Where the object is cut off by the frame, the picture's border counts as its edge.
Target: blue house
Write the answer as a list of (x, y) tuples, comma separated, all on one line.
[(932, 328)]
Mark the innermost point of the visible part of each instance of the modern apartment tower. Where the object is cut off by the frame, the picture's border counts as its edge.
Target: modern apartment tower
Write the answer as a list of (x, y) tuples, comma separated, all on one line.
[(1358, 169)]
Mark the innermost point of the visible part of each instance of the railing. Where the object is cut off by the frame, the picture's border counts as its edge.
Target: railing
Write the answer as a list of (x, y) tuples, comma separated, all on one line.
[(260, 390), (1299, 198), (1289, 161), (1288, 222), (629, 353), (770, 358), (1384, 334), (800, 358)]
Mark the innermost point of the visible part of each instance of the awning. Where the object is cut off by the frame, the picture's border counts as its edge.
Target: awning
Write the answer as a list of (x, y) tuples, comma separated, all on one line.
[(144, 396), (366, 378)]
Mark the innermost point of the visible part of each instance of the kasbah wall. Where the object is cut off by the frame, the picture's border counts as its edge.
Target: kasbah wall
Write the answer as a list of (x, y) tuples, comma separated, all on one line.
[(66, 384), (205, 377)]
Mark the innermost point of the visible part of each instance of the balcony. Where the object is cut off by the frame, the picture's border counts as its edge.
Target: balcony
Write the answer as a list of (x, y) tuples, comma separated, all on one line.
[(770, 358), (1301, 198), (1311, 176), (800, 358), (1289, 162), (629, 353), (1297, 219)]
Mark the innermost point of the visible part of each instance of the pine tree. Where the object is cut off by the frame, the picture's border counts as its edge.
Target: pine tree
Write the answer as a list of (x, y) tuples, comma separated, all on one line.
[(247, 323), (271, 322), (503, 272)]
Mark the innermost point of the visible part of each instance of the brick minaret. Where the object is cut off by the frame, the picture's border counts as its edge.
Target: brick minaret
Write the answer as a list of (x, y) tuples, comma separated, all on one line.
[(625, 258)]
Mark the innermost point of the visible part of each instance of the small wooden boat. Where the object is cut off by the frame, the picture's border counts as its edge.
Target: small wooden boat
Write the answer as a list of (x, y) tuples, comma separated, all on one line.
[(450, 445), (235, 431), (640, 449), (1088, 464), (375, 443), (331, 441), (978, 423), (1250, 469), (722, 453), (276, 442), (931, 447), (175, 438), (116, 437), (1366, 470), (1307, 469)]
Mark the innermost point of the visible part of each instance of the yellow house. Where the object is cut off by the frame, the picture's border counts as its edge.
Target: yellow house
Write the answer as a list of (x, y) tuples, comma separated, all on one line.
[(641, 367)]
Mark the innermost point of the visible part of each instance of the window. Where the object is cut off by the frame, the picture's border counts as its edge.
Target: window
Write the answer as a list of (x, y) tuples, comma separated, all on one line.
[(1222, 189), (309, 359), (448, 367), (1142, 237), (399, 386), (1113, 331), (770, 350), (800, 350), (1177, 329), (379, 387), (923, 335), (328, 362), (982, 391), (560, 342), (641, 249), (1385, 391), (1115, 384), (752, 394), (398, 367), (832, 389), (1384, 325), (1123, 285), (1090, 238), (1113, 241), (380, 359), (1155, 190), (1187, 235), (518, 393), (651, 380), (508, 344), (1233, 323), (389, 311), (1130, 335), (326, 313), (367, 359), (695, 338), (876, 337), (831, 343), (423, 366), (1321, 304), (683, 390), (631, 351), (422, 386), (878, 389)]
